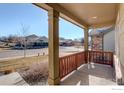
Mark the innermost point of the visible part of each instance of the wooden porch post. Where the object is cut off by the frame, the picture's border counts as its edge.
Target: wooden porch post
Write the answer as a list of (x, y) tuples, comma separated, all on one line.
[(54, 78), (86, 44)]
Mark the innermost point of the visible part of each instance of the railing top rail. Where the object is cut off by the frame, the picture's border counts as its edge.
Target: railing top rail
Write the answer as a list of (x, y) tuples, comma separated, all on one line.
[(71, 54), (100, 51)]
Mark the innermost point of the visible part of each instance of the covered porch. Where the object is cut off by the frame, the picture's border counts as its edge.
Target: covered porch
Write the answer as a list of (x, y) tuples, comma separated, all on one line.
[(87, 67), (98, 71)]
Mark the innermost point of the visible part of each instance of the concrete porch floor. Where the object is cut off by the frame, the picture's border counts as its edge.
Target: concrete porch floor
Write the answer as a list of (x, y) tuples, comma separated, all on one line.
[(92, 74)]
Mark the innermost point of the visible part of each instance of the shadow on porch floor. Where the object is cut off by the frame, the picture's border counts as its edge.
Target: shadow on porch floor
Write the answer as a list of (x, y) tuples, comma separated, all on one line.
[(92, 74)]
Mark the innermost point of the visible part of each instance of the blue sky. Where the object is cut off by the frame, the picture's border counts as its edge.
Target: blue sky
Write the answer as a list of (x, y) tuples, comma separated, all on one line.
[(36, 19)]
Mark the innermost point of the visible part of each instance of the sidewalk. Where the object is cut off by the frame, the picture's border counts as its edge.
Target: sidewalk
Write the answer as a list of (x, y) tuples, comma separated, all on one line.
[(12, 79)]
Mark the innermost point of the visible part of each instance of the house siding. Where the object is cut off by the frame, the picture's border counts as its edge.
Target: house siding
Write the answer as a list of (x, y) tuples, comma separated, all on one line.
[(109, 41), (119, 39)]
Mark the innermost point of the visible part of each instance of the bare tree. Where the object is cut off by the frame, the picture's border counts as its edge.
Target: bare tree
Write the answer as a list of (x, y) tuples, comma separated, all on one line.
[(24, 30)]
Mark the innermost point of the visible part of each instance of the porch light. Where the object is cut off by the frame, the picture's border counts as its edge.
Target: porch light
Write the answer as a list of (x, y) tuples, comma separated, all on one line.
[(94, 17)]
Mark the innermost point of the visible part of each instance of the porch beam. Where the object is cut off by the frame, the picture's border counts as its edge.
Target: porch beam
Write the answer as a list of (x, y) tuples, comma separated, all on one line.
[(86, 44), (53, 47)]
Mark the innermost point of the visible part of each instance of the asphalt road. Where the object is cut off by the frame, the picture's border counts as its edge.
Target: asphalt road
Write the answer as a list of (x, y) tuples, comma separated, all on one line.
[(10, 54)]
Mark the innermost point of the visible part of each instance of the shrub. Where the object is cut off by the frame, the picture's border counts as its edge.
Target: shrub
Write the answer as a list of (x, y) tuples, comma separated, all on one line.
[(37, 74)]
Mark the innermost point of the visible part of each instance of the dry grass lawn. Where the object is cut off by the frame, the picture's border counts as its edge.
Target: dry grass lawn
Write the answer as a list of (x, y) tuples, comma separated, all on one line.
[(21, 63), (2, 49)]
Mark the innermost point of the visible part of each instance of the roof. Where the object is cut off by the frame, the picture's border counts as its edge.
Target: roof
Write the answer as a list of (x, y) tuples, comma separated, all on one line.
[(101, 31), (35, 38), (32, 36)]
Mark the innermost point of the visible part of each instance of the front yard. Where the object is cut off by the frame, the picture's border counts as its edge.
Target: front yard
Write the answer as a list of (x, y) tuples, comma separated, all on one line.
[(21, 63)]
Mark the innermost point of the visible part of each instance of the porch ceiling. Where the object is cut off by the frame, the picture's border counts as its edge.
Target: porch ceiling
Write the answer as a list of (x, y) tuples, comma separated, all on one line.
[(93, 14), (87, 14)]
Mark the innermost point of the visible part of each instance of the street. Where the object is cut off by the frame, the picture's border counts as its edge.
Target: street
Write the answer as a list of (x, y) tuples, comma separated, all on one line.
[(10, 54)]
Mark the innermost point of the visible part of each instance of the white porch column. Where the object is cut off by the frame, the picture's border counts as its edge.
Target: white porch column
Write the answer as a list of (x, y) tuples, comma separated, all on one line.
[(53, 47)]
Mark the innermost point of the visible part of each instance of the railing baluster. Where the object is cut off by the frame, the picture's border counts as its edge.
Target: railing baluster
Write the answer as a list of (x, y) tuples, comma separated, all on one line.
[(66, 65), (101, 57), (70, 63)]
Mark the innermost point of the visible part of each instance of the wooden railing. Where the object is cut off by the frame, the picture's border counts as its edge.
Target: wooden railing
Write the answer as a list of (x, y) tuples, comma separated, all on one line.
[(67, 64), (101, 57)]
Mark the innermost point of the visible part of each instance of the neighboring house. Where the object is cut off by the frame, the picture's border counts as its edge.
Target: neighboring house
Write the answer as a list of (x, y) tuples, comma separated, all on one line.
[(96, 40), (42, 39), (2, 44), (32, 42), (103, 39), (31, 38), (70, 42), (78, 42), (66, 42)]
